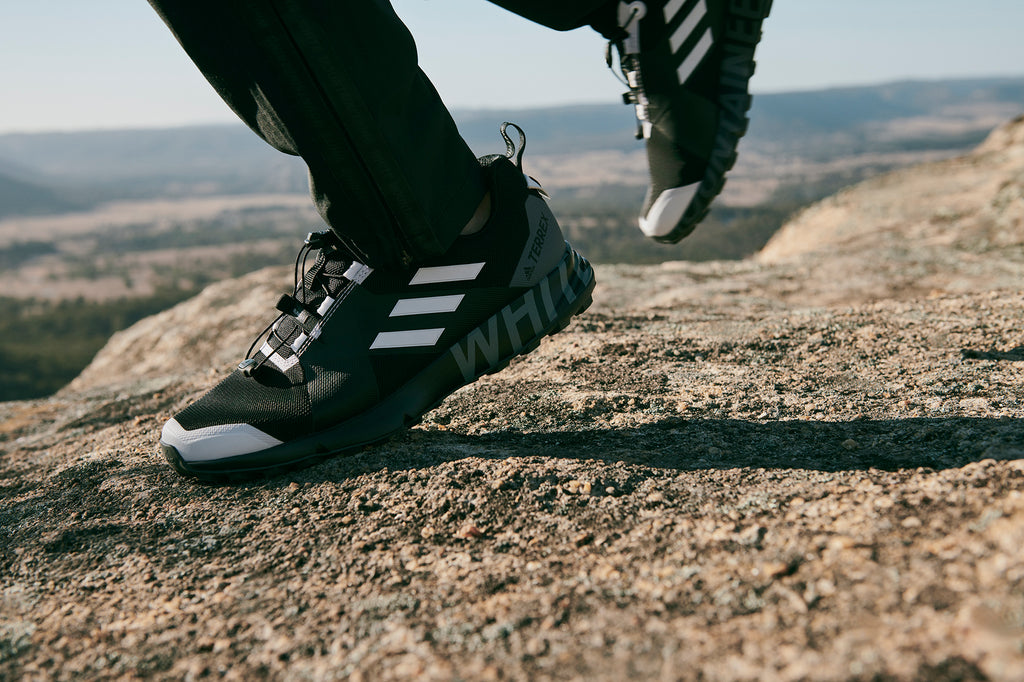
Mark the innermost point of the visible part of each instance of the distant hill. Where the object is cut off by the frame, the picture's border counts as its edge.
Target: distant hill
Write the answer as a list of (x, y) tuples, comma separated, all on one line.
[(821, 125), (905, 116), (145, 163), (18, 197), (792, 120), (835, 109)]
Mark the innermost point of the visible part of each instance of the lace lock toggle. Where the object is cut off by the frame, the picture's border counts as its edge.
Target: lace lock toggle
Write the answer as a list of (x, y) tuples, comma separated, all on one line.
[(316, 240), (288, 304)]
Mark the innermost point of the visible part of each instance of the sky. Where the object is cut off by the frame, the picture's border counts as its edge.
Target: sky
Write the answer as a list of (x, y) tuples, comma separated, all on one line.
[(72, 65)]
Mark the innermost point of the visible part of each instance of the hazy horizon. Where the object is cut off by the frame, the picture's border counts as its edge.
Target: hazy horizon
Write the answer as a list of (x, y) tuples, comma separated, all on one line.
[(230, 119)]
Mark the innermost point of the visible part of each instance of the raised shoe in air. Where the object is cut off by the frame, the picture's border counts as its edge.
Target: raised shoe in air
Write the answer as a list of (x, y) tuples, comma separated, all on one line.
[(687, 64)]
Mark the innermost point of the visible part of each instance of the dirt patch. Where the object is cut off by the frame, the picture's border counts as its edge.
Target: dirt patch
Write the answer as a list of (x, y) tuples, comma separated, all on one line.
[(789, 494)]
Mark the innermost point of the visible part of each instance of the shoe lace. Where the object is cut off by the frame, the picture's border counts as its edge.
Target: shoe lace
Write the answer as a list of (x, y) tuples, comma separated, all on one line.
[(311, 285), (627, 46)]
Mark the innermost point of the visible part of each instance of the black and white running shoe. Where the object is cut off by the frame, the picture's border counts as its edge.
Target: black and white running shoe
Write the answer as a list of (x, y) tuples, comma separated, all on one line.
[(687, 64), (358, 354)]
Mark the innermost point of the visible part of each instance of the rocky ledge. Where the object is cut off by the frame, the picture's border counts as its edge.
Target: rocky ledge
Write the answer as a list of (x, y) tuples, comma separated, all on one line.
[(809, 465)]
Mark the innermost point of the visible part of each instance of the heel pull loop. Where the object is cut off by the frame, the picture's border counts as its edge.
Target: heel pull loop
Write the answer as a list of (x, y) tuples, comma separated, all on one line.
[(510, 147)]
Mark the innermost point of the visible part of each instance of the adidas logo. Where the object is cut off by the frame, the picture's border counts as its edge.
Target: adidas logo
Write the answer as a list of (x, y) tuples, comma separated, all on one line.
[(427, 305), (509, 330)]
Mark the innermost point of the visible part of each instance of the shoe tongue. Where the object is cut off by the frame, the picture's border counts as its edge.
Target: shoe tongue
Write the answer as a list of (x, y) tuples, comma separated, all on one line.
[(288, 329), (326, 274), (335, 266)]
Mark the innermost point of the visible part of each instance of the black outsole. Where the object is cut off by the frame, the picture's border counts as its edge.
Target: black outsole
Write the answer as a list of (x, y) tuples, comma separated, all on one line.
[(727, 136), (247, 467)]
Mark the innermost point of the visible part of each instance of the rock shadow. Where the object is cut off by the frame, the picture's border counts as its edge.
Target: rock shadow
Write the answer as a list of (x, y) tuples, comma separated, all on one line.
[(1012, 355), (701, 444)]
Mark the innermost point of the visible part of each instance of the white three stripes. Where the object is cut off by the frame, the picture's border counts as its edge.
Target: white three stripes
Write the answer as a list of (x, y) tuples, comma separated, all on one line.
[(684, 31), (427, 305)]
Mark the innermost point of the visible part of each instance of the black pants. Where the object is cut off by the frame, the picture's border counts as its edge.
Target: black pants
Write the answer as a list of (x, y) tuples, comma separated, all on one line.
[(337, 83)]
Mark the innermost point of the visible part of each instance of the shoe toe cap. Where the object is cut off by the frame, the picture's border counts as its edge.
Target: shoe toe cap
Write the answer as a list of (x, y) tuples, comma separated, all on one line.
[(211, 443), (667, 211)]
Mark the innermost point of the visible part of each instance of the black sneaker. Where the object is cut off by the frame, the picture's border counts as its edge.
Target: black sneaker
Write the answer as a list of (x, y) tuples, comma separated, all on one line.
[(687, 64), (358, 354)]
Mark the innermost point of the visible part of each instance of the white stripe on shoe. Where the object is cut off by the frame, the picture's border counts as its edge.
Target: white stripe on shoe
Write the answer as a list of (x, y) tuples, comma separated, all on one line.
[(689, 64), (447, 273), (413, 338), (672, 9), (688, 26), (427, 305)]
